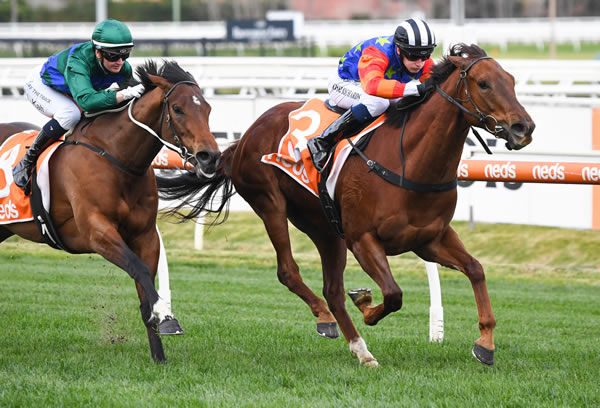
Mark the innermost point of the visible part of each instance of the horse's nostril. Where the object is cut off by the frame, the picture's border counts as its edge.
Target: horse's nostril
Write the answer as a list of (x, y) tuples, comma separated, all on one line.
[(206, 157), (518, 129), (203, 157)]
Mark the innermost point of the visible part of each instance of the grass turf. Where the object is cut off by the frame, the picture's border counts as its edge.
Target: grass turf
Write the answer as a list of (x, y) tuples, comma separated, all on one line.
[(73, 335)]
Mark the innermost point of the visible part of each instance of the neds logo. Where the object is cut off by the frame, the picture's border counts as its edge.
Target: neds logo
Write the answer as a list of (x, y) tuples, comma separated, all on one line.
[(507, 170), (590, 174), (546, 172)]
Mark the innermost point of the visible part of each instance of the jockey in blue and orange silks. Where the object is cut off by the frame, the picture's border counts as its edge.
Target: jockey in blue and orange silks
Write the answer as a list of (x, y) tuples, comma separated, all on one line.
[(370, 76)]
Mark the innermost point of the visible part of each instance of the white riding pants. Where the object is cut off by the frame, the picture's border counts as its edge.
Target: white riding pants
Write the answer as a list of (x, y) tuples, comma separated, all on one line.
[(50, 102), (347, 93)]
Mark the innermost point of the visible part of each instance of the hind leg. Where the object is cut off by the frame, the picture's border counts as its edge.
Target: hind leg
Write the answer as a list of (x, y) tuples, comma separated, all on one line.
[(273, 214), (450, 252), (333, 260), (150, 252), (170, 326), (373, 260)]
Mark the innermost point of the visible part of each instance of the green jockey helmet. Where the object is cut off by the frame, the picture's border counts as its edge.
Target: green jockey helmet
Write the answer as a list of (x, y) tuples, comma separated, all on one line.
[(113, 35)]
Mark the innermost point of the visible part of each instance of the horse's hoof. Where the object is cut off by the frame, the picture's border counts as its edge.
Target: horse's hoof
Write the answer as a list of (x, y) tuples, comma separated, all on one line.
[(483, 355), (361, 295), (370, 363), (328, 330), (169, 326)]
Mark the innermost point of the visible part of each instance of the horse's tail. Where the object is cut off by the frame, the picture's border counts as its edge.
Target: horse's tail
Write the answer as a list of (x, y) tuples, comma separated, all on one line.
[(200, 195)]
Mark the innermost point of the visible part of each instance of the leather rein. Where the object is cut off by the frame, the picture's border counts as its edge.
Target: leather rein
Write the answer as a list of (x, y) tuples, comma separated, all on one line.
[(399, 179), (179, 148)]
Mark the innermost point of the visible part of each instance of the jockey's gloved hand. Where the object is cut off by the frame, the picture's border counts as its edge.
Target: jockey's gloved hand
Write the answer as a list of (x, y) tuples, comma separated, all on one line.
[(132, 92), (426, 87)]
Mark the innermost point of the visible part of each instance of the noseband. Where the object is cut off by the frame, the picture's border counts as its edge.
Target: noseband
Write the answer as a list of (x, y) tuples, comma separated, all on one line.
[(180, 148), (479, 115)]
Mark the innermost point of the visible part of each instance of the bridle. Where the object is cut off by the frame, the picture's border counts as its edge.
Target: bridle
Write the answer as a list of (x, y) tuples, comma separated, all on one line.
[(479, 115), (179, 148), (399, 179)]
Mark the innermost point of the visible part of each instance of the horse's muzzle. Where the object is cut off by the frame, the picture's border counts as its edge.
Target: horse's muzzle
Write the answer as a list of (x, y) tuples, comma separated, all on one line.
[(206, 163), (518, 135)]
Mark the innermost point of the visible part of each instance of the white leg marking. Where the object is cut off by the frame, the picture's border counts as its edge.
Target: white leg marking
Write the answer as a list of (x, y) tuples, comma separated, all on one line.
[(436, 311), (358, 347), (164, 290), (161, 310)]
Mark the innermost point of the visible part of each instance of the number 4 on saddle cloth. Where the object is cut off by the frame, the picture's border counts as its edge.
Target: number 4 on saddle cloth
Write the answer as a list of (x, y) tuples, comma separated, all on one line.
[(293, 157), (15, 206)]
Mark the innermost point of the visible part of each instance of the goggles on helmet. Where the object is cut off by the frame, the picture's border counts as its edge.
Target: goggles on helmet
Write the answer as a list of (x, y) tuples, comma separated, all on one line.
[(113, 56), (415, 57)]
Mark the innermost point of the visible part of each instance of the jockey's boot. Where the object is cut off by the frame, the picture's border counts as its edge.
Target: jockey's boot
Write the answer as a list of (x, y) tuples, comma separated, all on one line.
[(345, 126), (22, 171)]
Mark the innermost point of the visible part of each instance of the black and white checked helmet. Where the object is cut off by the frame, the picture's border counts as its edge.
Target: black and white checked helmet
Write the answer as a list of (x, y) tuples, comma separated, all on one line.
[(414, 36)]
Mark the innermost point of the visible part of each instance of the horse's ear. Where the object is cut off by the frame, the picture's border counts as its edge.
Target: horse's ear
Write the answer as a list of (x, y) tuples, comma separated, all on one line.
[(459, 62), (160, 82)]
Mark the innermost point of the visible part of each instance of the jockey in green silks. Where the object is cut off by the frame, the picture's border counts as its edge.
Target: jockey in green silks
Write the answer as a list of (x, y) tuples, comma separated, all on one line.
[(75, 80)]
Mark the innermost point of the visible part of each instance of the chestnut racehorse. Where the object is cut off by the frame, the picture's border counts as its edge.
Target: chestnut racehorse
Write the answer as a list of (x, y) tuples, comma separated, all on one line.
[(104, 196), (420, 141)]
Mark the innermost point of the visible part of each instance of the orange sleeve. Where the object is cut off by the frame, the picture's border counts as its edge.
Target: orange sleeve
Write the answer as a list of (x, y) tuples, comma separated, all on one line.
[(426, 70), (371, 71)]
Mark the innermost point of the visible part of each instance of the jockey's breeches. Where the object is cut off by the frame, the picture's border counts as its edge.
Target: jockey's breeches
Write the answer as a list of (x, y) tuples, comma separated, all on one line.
[(347, 93), (50, 102)]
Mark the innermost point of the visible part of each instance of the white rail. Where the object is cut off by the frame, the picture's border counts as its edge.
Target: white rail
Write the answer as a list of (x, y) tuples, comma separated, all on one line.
[(497, 31), (543, 81)]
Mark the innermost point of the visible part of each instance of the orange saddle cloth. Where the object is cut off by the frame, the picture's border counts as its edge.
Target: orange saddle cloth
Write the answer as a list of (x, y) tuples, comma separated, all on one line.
[(14, 204), (293, 157)]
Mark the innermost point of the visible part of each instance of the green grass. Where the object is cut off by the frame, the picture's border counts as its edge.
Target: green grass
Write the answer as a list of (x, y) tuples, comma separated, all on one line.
[(72, 333)]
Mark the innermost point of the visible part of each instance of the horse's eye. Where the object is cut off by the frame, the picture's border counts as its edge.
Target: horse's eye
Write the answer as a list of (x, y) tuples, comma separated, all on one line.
[(483, 84), (177, 109)]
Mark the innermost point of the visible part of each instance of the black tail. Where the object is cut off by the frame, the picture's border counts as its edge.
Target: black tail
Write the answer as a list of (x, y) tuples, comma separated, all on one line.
[(200, 195)]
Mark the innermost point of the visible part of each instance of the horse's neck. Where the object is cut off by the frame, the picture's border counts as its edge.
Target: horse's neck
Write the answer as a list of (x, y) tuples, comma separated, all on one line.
[(130, 144), (434, 139)]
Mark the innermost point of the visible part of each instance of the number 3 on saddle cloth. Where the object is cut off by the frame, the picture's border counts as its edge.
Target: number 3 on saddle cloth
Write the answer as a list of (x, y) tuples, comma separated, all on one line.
[(293, 157), (15, 206)]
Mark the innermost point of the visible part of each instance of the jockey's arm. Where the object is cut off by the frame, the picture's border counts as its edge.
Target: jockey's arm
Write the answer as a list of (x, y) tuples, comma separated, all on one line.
[(83, 92), (371, 71)]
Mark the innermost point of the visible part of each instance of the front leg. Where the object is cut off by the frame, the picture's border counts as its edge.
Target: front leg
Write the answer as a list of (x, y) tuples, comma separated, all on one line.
[(371, 256), (449, 251), (106, 241)]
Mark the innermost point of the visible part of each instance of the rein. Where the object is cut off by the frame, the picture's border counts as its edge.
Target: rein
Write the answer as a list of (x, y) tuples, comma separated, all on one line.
[(180, 148), (399, 179)]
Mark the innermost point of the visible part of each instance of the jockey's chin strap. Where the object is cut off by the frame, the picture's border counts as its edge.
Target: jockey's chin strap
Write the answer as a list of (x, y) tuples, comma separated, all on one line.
[(180, 148), (479, 115)]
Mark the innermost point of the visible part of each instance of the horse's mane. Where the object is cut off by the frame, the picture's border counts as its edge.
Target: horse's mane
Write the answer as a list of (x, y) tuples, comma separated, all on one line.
[(170, 70), (439, 73)]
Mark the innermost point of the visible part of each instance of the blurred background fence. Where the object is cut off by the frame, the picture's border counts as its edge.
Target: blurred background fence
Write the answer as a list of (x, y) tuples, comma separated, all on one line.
[(554, 57)]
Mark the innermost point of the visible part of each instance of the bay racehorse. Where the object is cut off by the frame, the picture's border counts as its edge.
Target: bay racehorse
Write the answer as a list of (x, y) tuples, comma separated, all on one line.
[(104, 196), (421, 141)]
